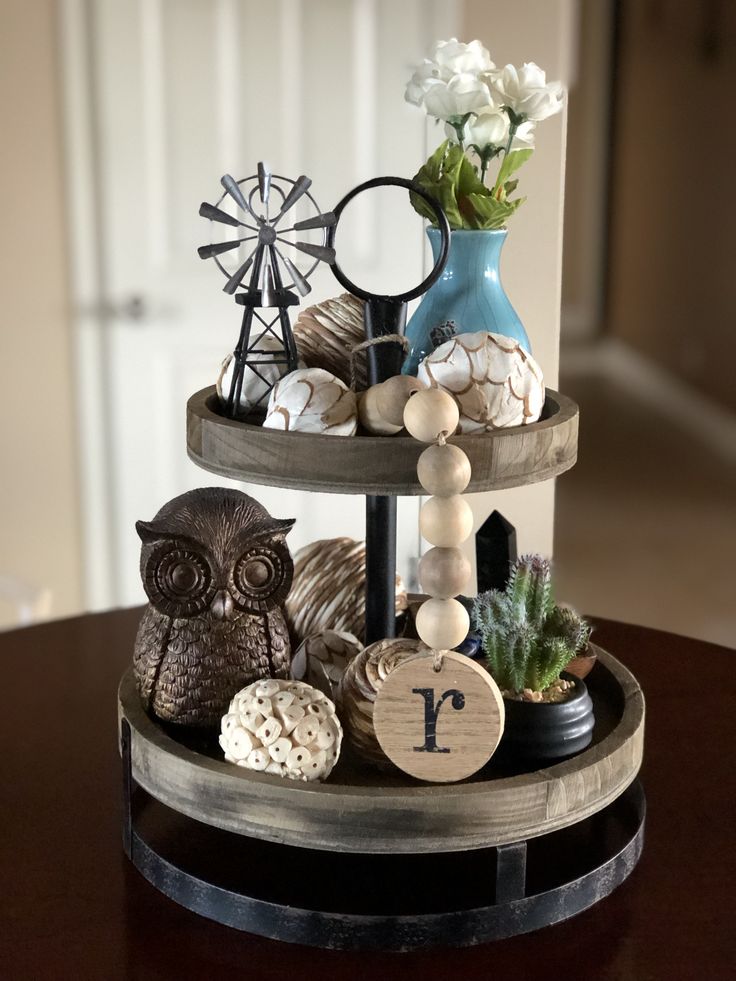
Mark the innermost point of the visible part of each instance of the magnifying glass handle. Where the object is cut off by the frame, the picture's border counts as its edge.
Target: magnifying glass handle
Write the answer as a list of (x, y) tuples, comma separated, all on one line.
[(384, 315)]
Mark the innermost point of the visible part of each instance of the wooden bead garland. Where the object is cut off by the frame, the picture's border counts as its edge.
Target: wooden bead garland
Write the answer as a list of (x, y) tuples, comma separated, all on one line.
[(392, 396), (369, 416), (408, 719), (445, 520), (443, 470), (444, 572), (430, 412), (381, 407), (443, 621)]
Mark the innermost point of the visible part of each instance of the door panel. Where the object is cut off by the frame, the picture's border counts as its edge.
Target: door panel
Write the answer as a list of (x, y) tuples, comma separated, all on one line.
[(179, 92)]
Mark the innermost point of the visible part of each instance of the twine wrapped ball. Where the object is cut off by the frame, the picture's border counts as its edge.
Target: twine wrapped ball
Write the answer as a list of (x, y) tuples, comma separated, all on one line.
[(326, 333), (495, 382), (328, 589), (321, 659), (312, 400), (357, 693), (255, 386), (282, 727)]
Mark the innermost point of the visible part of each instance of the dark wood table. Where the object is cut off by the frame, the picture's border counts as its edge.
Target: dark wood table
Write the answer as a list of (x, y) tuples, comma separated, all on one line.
[(72, 906)]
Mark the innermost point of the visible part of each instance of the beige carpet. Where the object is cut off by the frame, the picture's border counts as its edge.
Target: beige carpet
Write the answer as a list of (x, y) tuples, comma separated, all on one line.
[(646, 521)]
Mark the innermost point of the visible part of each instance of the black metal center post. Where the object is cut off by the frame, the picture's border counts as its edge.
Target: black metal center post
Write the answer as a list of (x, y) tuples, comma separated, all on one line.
[(385, 315)]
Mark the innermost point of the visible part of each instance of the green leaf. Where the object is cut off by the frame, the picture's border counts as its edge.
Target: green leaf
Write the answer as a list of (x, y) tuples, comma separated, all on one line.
[(490, 212), (450, 177), (511, 163), (510, 186)]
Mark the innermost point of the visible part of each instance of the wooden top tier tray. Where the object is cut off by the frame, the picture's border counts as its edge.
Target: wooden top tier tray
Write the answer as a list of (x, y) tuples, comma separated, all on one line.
[(363, 810), (376, 464)]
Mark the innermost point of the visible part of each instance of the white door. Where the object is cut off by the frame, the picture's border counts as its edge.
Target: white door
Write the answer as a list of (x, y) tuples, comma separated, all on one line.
[(162, 98)]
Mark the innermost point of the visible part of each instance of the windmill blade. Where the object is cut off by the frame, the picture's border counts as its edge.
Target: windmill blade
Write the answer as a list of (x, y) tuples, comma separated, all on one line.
[(325, 220), (216, 214), (217, 248), (302, 286), (264, 181), (301, 186), (235, 280), (233, 189), (321, 252)]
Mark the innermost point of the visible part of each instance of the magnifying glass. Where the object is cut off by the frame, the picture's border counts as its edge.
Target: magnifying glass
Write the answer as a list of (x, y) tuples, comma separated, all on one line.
[(387, 314)]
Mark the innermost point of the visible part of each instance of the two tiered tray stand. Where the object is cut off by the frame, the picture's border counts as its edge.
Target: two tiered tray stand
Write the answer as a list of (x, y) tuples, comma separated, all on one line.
[(369, 860)]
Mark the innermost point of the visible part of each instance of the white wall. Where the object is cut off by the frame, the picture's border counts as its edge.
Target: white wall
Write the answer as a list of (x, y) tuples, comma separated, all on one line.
[(542, 31), (39, 521)]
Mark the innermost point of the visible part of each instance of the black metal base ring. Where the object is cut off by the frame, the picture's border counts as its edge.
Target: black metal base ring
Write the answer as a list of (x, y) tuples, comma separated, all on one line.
[(381, 901)]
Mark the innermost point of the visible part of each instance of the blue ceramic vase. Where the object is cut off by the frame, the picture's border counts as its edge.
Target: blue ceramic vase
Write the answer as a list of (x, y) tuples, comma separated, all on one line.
[(469, 292)]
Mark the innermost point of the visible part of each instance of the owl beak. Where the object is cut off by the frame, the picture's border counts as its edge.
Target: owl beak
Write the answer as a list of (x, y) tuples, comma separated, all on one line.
[(222, 606)]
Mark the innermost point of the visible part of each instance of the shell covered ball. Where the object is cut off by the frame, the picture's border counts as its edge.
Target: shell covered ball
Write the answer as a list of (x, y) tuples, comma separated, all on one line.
[(286, 728), (256, 385), (322, 658), (312, 400), (495, 382)]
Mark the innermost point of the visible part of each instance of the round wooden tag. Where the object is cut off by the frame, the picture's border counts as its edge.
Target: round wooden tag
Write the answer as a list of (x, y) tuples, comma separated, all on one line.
[(439, 725)]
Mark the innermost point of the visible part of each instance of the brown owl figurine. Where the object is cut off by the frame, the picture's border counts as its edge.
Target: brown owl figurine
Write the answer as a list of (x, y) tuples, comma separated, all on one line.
[(216, 568)]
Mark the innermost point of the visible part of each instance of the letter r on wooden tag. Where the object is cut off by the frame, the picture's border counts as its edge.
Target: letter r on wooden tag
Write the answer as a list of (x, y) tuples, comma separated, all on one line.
[(441, 725)]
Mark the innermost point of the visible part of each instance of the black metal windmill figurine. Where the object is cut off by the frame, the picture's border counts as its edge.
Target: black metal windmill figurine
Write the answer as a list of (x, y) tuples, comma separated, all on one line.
[(263, 202)]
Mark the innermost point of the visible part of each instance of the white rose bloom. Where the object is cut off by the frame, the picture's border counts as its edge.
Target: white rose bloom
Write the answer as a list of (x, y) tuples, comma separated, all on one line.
[(463, 93), (425, 75), (526, 91), (524, 136), (459, 58), (491, 125)]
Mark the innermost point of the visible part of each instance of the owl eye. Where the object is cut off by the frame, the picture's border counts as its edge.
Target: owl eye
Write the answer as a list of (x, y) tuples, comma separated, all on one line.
[(179, 581), (260, 578)]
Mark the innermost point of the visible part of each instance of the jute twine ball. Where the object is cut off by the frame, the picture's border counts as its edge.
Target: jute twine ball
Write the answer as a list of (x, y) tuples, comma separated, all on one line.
[(321, 659), (326, 333), (328, 589), (442, 623), (357, 693), (430, 412), (444, 572), (443, 470), (282, 727)]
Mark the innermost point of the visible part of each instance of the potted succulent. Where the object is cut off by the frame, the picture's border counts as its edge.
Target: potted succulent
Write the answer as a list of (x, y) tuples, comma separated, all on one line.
[(528, 641)]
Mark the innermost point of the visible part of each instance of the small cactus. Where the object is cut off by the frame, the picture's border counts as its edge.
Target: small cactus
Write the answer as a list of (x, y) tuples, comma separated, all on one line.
[(527, 639)]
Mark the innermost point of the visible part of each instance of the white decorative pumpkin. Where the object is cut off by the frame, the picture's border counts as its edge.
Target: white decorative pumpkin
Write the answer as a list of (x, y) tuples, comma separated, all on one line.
[(494, 381), (255, 387), (312, 400), (282, 727)]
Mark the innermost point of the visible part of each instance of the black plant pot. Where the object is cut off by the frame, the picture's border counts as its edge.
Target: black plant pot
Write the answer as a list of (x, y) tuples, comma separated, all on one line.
[(541, 732)]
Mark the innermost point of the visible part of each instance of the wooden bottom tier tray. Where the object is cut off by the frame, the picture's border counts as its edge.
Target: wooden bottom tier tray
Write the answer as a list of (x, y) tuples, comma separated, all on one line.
[(370, 860)]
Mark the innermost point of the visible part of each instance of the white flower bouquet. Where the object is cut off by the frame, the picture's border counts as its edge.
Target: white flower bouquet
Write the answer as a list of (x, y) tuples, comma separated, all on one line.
[(489, 114)]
